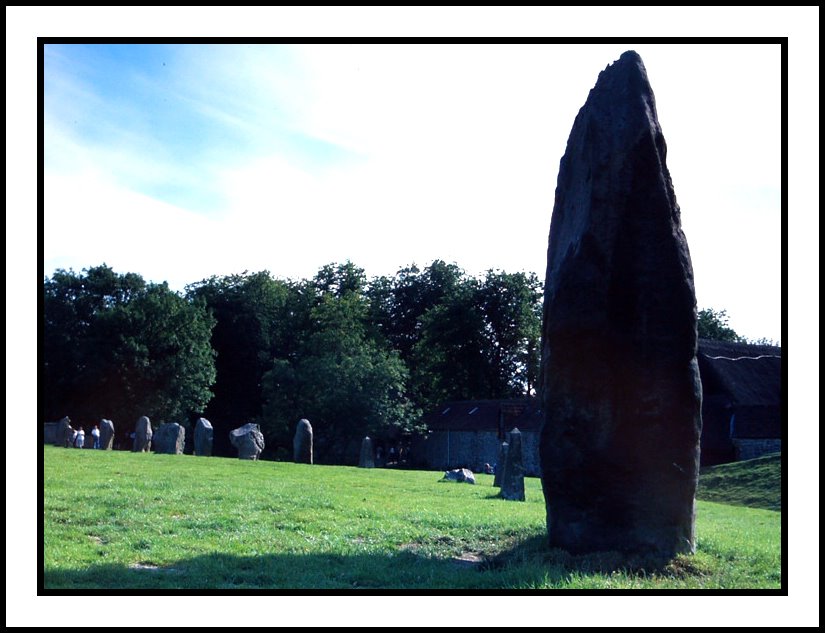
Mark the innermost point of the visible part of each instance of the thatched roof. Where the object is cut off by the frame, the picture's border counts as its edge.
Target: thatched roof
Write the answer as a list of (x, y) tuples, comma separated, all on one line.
[(485, 415), (747, 375)]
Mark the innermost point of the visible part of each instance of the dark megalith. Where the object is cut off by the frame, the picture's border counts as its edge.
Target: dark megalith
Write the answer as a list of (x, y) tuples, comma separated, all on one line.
[(107, 434), (62, 435), (620, 384), (143, 435), (367, 457), (512, 480), (203, 438), (248, 440), (302, 443), (169, 439), (502, 460)]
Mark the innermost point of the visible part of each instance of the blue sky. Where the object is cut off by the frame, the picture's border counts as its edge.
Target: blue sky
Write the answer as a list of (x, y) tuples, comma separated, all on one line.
[(222, 158)]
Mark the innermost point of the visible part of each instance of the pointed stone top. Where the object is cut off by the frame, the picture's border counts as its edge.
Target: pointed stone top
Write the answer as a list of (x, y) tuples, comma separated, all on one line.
[(515, 430)]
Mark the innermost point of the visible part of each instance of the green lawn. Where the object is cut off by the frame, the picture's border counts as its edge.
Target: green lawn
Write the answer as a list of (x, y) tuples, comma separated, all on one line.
[(126, 520), (756, 483)]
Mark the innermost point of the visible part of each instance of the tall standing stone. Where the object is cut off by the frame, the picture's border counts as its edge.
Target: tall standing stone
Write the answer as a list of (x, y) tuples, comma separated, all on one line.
[(502, 460), (622, 399), (169, 439), (512, 482), (367, 458), (143, 435), (62, 431), (107, 434), (302, 443), (249, 441), (203, 437)]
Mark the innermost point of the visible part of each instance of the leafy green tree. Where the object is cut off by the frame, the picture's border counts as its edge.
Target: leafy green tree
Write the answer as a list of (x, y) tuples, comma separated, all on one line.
[(116, 347), (713, 324), (343, 381)]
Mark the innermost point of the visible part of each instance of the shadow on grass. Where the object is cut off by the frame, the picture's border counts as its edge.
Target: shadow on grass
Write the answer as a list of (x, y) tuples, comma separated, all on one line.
[(528, 565)]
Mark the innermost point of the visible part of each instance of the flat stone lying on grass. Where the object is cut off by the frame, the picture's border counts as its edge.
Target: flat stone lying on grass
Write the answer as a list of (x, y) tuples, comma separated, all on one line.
[(248, 440), (460, 474)]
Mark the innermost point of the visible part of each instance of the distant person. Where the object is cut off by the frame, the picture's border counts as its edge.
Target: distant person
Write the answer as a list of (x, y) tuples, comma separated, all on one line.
[(80, 439), (391, 455), (488, 470), (95, 437)]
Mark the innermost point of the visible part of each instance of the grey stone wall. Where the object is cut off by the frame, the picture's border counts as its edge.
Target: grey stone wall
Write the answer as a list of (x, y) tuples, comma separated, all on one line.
[(472, 449), (50, 433)]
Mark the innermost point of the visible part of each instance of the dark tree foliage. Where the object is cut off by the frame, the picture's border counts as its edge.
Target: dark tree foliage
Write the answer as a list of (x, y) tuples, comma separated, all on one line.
[(116, 347), (713, 324)]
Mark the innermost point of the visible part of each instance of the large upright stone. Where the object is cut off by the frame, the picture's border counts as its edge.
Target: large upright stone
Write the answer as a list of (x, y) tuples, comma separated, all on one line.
[(502, 460), (169, 439), (248, 440), (302, 443), (203, 437), (512, 482), (367, 458), (143, 435), (61, 438), (622, 399), (107, 434)]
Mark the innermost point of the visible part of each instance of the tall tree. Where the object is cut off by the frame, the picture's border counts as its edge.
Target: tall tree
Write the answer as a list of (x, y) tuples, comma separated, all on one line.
[(713, 324), (116, 347)]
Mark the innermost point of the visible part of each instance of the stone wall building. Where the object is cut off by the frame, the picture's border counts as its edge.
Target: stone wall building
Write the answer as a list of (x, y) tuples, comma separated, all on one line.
[(742, 409)]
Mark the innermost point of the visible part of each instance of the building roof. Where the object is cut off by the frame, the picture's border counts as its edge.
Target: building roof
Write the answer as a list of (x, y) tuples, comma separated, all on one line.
[(485, 415), (748, 375)]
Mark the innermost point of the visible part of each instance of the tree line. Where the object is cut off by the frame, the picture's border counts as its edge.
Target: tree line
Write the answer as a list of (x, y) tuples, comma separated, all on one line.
[(355, 356)]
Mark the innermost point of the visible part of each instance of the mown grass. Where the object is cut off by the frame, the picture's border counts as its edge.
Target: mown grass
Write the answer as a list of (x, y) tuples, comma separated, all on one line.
[(756, 483), (143, 521)]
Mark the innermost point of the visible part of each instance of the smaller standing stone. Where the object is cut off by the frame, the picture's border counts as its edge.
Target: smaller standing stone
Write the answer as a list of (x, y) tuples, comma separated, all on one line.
[(367, 459), (64, 428), (107, 434), (512, 481), (302, 444), (143, 435), (502, 460), (248, 440), (203, 437), (169, 439)]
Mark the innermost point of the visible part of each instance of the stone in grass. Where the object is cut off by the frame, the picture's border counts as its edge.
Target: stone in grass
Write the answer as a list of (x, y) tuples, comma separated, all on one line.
[(169, 439), (62, 438), (107, 434), (502, 460), (367, 458), (248, 440), (512, 481), (143, 435), (203, 437), (460, 475), (302, 443)]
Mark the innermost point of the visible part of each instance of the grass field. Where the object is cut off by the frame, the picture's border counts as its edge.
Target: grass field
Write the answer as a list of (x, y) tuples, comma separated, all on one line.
[(756, 483), (129, 521)]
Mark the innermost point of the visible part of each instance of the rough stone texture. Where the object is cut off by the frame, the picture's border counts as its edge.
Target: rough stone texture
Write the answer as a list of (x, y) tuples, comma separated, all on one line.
[(512, 481), (169, 439), (500, 463), (107, 434), (302, 443), (62, 434), (203, 437), (143, 435), (248, 440), (367, 458), (461, 475), (622, 397)]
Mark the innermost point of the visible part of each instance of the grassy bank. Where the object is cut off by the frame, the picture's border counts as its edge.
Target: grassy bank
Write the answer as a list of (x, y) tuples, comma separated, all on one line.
[(124, 520), (756, 483)]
